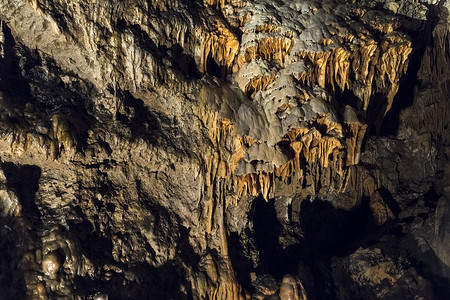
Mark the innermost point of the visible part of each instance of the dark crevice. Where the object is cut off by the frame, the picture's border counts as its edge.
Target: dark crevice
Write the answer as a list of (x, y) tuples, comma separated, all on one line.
[(431, 198), (212, 68), (334, 231), (13, 243), (375, 112), (409, 82), (185, 251), (274, 258), (97, 248), (182, 61), (140, 120), (390, 201), (24, 181), (13, 83), (15, 234), (348, 98), (241, 262)]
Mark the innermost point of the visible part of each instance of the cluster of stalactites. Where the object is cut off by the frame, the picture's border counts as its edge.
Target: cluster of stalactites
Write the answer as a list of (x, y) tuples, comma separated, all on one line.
[(50, 138), (432, 104), (322, 143), (258, 83), (222, 45), (381, 63), (267, 48), (220, 4), (333, 66), (278, 70), (308, 146), (364, 182)]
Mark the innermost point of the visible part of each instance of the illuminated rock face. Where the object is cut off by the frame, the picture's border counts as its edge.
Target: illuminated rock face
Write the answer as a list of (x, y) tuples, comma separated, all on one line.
[(217, 149)]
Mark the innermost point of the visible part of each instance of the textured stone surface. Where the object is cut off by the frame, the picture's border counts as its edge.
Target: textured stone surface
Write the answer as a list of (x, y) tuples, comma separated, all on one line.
[(229, 149)]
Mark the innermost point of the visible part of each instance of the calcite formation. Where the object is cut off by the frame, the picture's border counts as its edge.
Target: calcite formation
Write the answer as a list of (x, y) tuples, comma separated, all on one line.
[(140, 139)]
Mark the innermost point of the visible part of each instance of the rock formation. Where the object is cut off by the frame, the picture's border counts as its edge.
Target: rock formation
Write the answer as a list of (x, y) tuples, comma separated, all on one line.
[(233, 149)]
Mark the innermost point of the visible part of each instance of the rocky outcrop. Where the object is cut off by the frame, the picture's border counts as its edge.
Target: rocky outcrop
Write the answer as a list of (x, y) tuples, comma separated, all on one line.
[(214, 149)]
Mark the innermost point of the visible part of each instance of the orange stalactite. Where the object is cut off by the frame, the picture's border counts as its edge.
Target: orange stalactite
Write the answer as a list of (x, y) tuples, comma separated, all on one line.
[(267, 48), (222, 45), (258, 83)]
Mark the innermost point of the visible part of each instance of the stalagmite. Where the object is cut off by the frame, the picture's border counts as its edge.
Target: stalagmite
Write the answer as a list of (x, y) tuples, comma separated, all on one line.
[(291, 289), (51, 264)]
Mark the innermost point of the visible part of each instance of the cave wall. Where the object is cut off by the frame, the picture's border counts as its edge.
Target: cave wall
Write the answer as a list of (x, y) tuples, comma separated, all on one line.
[(226, 149)]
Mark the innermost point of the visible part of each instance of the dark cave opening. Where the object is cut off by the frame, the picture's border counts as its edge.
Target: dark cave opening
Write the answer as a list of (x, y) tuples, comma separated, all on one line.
[(266, 230), (12, 81), (240, 260), (12, 240), (275, 259), (97, 248), (375, 113), (15, 237), (331, 230), (327, 232), (24, 181), (212, 67), (348, 98)]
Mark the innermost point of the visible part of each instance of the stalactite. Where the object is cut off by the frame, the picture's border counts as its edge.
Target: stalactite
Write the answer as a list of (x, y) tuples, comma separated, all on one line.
[(297, 147), (267, 48), (431, 109), (258, 83), (222, 45), (356, 132), (367, 62), (362, 181), (393, 64), (220, 4)]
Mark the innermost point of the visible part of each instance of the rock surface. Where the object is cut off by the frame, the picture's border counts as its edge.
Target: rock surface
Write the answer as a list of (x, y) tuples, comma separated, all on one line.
[(232, 149)]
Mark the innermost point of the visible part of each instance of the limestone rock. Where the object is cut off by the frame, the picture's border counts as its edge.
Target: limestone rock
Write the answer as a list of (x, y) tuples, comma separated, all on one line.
[(204, 149)]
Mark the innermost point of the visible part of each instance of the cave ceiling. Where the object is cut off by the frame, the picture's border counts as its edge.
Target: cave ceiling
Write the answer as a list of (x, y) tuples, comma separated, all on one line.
[(224, 149)]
